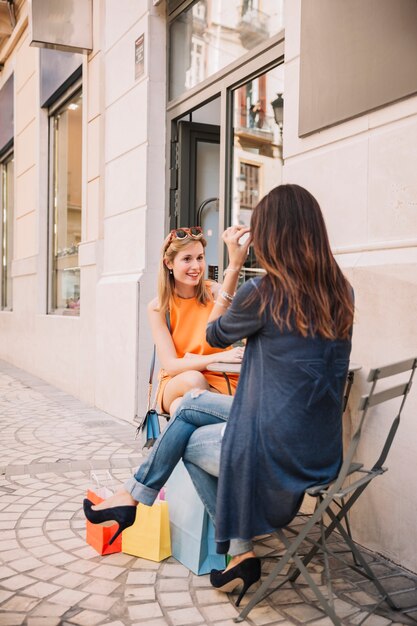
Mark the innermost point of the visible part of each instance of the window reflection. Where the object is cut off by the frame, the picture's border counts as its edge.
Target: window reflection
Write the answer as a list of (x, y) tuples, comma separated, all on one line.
[(257, 147), (211, 34), (66, 219)]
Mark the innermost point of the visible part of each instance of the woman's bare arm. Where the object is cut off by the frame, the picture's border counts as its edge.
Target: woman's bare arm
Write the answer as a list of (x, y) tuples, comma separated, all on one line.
[(166, 349)]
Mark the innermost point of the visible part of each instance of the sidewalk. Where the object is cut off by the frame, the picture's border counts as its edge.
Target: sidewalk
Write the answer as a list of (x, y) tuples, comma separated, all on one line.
[(49, 576)]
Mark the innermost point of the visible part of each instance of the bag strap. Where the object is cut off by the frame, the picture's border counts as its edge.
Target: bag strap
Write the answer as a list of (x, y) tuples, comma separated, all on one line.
[(152, 367)]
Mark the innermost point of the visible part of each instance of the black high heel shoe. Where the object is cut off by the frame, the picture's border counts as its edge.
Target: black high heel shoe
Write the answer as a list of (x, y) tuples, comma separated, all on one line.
[(123, 515), (245, 573)]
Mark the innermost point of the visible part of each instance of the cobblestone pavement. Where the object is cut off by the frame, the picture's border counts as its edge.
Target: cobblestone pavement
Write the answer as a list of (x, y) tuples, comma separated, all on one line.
[(50, 442)]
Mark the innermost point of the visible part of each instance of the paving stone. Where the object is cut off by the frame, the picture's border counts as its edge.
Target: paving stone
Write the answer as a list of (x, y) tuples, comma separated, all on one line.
[(263, 615), (85, 553), (71, 580), (43, 621), (46, 572), (122, 559), (181, 617), (141, 594), (109, 572), (175, 570), (14, 555), (302, 612), (41, 589), (160, 621), (46, 550), (373, 620), (8, 545), (68, 597), (210, 596), (46, 609), (81, 567), (17, 582), (11, 619), (173, 584), (6, 572), (60, 558), (95, 601), (102, 587), (174, 599), (88, 618), (20, 604), (201, 581), (141, 578), (219, 611), (4, 595), (144, 564), (361, 598), (145, 611), (24, 565)]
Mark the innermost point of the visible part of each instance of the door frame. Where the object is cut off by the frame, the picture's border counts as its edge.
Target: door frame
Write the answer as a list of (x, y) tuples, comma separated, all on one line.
[(221, 85), (189, 134)]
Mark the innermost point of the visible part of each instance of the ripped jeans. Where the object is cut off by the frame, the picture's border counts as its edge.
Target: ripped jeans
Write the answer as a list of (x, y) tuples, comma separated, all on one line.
[(194, 433)]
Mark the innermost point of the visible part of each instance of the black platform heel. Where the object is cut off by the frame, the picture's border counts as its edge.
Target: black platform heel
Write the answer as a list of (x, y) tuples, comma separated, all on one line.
[(245, 573), (123, 515)]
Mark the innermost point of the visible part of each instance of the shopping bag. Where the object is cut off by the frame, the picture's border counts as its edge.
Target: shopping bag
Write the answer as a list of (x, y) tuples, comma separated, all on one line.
[(149, 537), (192, 531), (98, 537)]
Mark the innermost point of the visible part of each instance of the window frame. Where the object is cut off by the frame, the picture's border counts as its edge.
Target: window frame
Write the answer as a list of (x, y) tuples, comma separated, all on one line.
[(6, 157), (76, 89)]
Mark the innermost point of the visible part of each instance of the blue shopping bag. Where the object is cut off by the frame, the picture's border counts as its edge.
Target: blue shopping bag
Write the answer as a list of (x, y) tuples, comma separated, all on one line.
[(192, 531)]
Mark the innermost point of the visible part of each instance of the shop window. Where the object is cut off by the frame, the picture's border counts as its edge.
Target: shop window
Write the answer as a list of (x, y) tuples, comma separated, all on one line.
[(7, 214), (65, 131), (227, 29)]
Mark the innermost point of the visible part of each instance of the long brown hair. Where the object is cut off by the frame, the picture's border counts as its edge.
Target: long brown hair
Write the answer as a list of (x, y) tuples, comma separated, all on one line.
[(303, 286), (166, 281)]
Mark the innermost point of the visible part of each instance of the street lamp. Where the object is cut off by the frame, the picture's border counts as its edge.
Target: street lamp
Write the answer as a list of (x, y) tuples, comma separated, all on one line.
[(278, 108)]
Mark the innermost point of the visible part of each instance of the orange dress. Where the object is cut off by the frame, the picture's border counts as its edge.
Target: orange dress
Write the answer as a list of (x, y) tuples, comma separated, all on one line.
[(188, 320)]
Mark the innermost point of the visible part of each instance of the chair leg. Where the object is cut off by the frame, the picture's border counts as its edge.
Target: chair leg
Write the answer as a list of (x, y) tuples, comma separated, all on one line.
[(369, 574)]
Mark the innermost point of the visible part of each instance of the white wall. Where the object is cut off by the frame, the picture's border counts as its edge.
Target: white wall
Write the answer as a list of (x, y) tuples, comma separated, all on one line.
[(102, 356), (133, 165), (363, 175)]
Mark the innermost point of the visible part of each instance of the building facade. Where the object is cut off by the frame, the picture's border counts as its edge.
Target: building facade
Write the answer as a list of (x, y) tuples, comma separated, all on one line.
[(185, 113)]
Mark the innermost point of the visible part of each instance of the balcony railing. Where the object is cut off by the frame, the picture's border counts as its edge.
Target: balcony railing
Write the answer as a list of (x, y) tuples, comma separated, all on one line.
[(253, 28)]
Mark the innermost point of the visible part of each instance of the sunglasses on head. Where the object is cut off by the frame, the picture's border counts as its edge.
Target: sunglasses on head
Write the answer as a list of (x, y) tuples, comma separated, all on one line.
[(196, 232)]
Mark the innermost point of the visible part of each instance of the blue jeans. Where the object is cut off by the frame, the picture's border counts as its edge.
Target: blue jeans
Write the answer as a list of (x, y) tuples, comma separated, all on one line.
[(194, 433)]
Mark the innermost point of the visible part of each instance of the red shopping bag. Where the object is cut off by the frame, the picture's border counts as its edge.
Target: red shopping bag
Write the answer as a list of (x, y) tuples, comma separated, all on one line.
[(98, 537)]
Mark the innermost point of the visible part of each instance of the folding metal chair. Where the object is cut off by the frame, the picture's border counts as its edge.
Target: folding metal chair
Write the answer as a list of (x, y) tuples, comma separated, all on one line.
[(333, 504)]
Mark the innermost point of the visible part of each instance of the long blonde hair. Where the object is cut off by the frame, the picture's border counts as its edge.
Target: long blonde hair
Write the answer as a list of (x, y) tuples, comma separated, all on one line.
[(166, 280)]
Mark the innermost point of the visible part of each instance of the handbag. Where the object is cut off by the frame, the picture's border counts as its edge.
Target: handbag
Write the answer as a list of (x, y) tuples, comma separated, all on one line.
[(98, 537), (192, 531), (149, 537), (149, 427)]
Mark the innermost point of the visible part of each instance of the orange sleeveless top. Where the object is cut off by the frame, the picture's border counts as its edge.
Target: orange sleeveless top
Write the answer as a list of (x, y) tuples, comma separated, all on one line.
[(188, 320)]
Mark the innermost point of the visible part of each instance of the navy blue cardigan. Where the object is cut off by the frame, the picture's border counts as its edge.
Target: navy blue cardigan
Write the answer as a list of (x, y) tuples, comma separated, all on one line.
[(284, 433)]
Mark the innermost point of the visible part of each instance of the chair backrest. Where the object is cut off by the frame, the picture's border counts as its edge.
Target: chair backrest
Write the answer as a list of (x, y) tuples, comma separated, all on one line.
[(373, 398)]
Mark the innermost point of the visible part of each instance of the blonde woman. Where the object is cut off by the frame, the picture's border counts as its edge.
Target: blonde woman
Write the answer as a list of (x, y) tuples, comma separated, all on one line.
[(185, 301)]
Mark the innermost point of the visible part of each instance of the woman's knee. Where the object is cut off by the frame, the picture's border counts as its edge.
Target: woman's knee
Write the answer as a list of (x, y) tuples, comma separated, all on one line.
[(194, 379)]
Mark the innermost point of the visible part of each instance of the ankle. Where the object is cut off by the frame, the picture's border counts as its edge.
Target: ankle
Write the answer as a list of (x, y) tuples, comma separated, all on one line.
[(239, 558)]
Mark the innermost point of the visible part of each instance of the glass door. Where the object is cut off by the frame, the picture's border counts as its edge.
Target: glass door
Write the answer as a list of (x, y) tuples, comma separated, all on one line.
[(195, 178)]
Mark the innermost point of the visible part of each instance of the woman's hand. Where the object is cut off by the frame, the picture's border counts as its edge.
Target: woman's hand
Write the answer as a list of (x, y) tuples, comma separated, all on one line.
[(237, 251), (235, 355)]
